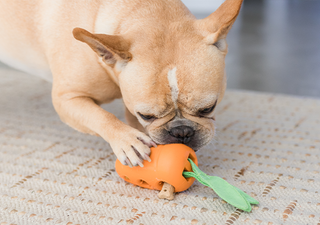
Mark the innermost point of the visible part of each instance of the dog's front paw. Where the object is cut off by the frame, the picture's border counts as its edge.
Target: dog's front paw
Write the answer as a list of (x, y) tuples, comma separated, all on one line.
[(132, 147)]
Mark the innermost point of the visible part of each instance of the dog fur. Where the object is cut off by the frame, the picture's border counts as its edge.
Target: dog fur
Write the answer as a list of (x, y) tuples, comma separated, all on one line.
[(167, 66)]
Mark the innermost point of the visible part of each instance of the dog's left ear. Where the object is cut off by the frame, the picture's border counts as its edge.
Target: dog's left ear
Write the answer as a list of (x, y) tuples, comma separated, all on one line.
[(220, 21), (111, 48)]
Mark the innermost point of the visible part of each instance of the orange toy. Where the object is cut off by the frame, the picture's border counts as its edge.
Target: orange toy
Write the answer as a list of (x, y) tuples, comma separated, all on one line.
[(167, 165)]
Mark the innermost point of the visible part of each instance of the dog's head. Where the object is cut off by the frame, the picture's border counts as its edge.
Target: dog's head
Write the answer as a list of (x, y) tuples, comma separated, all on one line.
[(171, 72)]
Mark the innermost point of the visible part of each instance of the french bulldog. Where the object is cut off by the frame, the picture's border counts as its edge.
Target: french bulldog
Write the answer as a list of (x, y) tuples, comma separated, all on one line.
[(167, 66)]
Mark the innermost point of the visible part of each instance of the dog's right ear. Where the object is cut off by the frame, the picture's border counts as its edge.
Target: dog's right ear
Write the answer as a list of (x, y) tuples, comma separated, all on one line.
[(111, 48)]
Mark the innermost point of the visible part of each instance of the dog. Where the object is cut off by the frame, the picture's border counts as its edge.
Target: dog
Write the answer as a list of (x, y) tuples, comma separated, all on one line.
[(167, 66)]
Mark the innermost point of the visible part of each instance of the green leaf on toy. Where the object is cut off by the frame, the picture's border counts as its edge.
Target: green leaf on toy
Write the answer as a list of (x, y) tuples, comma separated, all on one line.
[(224, 190)]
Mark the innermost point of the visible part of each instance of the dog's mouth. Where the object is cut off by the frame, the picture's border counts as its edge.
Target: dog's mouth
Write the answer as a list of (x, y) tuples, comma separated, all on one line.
[(194, 144), (194, 137)]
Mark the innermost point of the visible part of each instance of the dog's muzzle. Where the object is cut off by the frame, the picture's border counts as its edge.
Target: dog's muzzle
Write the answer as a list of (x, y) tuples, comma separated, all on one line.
[(183, 134)]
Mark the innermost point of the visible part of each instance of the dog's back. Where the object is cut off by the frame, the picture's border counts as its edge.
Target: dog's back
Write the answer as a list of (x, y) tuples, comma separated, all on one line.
[(19, 46), (29, 29)]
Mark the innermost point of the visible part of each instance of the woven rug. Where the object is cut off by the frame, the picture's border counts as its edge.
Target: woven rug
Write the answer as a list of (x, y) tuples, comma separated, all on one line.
[(267, 145)]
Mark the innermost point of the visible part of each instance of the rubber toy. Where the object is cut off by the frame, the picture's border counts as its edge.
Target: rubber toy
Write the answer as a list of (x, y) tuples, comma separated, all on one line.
[(176, 165), (167, 165)]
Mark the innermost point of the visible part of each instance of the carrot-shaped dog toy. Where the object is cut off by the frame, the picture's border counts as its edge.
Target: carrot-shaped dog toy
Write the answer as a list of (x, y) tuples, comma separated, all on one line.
[(173, 168), (167, 165)]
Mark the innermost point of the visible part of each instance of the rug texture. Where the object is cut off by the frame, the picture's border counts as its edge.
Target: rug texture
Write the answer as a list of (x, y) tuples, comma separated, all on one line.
[(267, 145)]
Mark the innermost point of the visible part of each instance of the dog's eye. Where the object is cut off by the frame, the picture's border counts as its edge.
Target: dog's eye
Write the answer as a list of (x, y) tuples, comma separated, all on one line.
[(207, 110), (221, 45), (147, 117)]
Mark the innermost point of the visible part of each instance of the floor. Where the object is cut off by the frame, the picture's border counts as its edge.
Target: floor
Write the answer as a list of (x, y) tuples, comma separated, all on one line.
[(274, 45)]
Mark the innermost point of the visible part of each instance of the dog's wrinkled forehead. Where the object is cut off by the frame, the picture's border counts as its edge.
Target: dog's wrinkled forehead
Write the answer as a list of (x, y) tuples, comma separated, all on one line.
[(174, 91), (187, 83), (195, 95), (177, 71)]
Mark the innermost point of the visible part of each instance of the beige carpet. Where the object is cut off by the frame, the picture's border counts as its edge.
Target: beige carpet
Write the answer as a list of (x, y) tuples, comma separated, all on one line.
[(267, 145)]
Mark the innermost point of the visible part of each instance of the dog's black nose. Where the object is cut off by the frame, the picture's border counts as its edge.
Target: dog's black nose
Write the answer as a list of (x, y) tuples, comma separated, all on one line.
[(182, 133)]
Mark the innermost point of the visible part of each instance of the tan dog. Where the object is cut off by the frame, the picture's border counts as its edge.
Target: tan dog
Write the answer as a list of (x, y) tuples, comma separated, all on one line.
[(167, 66)]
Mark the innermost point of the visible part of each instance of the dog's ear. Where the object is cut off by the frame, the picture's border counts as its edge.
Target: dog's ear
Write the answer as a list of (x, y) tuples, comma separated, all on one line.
[(219, 22), (111, 48)]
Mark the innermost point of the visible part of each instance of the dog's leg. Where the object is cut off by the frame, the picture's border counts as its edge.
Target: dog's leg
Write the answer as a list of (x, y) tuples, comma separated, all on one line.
[(82, 113), (133, 121)]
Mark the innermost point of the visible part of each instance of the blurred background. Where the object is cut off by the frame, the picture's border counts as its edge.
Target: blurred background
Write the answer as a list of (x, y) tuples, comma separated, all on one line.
[(274, 46)]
